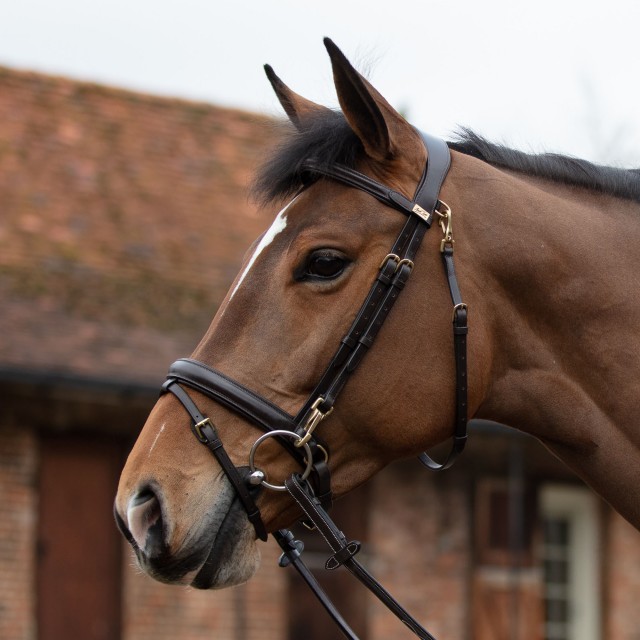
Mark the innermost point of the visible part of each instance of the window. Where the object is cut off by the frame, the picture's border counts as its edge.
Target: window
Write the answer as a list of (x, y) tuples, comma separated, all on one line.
[(505, 517), (569, 558)]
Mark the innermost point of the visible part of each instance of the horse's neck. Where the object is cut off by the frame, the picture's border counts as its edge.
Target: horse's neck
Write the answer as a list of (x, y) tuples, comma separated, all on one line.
[(559, 295)]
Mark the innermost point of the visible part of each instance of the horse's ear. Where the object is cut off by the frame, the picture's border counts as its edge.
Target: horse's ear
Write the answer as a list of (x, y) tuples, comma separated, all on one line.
[(374, 120), (299, 109)]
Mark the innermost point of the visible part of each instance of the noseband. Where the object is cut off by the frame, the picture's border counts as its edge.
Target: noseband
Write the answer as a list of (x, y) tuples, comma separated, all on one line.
[(312, 489)]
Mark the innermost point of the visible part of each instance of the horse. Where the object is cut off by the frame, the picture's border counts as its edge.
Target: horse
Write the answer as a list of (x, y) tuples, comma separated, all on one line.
[(546, 270)]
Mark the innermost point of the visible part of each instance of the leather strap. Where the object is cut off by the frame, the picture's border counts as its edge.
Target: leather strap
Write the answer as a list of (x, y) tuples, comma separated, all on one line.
[(207, 380), (439, 159), (292, 555), (344, 552), (359, 337), (460, 330), (392, 276)]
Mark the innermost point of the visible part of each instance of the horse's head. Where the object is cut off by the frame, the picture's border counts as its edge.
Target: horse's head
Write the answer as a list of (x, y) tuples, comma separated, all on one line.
[(279, 326)]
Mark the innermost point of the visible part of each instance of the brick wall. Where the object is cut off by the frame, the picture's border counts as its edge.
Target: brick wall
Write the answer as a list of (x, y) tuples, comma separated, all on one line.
[(18, 505), (420, 550), (622, 579)]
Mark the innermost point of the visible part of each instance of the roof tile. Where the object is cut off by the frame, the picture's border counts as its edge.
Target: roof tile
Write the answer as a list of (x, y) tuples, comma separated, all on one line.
[(124, 218)]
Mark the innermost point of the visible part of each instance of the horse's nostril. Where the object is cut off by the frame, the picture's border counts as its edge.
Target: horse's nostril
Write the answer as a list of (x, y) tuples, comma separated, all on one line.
[(141, 497), (144, 517)]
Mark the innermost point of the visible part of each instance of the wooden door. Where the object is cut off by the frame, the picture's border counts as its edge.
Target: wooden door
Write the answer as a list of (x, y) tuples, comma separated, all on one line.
[(79, 549), (506, 586)]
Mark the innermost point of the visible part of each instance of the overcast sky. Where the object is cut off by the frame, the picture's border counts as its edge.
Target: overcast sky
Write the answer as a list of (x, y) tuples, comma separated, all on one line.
[(546, 75)]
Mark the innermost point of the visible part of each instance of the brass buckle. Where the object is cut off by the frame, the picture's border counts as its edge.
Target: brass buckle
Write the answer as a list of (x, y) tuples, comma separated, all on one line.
[(406, 261), (198, 428), (399, 262), (389, 256)]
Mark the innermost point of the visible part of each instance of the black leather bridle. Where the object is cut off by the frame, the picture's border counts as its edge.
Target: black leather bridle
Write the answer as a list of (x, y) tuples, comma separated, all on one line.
[(312, 489)]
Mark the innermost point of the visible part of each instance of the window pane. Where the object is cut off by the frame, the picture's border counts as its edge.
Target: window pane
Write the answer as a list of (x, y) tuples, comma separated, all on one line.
[(555, 560)]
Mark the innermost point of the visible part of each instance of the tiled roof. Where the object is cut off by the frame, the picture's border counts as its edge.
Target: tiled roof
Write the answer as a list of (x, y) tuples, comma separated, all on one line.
[(123, 220)]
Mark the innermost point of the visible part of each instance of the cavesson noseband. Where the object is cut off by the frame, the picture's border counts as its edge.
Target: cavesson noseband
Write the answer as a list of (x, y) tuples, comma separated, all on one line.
[(312, 489)]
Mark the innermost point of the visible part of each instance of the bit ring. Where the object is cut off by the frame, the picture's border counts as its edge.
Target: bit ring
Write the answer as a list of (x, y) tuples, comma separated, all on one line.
[(287, 434)]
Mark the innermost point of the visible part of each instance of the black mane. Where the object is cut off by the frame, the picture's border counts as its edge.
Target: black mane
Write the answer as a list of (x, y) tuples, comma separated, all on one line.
[(622, 183), (330, 140)]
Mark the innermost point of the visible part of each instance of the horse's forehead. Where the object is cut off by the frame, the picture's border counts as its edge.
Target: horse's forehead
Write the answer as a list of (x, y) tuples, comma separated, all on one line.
[(330, 206), (277, 227)]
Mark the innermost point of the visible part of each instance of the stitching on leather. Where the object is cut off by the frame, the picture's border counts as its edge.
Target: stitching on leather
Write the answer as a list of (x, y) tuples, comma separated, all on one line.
[(313, 506)]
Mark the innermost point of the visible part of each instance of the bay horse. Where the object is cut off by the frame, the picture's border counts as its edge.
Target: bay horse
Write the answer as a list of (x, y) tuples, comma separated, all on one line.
[(546, 251)]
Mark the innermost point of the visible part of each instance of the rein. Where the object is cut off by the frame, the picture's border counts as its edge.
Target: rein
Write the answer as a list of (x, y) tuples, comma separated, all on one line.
[(312, 489)]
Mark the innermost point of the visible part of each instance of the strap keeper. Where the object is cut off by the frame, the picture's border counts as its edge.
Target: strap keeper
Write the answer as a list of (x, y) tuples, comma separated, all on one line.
[(256, 520), (165, 386), (343, 555), (402, 274), (294, 549), (349, 341), (366, 340), (423, 214)]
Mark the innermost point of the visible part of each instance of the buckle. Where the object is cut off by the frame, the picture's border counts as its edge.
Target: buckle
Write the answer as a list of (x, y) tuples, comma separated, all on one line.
[(198, 429)]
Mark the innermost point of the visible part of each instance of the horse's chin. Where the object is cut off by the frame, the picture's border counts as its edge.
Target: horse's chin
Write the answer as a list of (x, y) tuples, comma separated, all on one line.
[(233, 565), (214, 558)]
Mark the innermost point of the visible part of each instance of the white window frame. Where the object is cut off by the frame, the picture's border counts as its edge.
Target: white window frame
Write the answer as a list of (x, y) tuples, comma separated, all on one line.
[(580, 507)]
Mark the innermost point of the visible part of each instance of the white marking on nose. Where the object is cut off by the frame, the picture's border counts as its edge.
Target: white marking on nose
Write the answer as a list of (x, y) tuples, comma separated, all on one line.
[(156, 438), (277, 227)]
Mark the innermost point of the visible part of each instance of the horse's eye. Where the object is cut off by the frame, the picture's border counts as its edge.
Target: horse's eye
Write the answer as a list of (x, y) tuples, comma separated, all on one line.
[(323, 265)]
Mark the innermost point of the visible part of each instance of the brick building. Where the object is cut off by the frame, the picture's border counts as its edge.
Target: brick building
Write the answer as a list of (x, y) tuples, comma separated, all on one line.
[(123, 219)]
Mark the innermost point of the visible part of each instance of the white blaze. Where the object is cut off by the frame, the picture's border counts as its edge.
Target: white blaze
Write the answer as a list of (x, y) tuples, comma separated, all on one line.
[(156, 438), (277, 227)]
